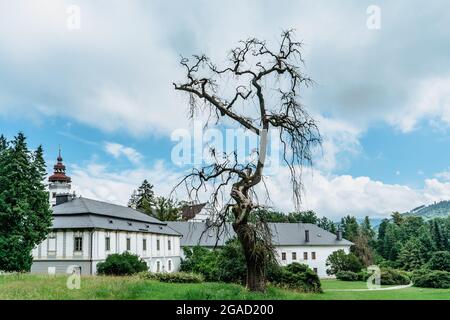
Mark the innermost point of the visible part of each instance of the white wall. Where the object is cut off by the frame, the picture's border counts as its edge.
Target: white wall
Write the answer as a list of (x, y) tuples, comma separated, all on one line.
[(118, 244), (322, 253)]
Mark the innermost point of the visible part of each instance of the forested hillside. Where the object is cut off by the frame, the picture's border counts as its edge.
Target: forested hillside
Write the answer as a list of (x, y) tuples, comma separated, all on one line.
[(435, 210)]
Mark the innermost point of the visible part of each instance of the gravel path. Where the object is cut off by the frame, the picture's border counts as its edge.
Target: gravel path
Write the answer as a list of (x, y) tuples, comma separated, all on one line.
[(380, 289)]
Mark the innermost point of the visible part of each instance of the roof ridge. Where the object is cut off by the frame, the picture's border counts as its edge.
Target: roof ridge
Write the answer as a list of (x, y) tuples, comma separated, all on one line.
[(84, 204)]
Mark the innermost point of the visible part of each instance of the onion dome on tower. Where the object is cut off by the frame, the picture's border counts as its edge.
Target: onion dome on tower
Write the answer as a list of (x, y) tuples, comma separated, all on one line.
[(59, 183), (59, 173)]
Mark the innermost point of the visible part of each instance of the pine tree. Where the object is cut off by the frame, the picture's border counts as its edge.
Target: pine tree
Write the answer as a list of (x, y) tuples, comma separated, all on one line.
[(25, 215), (143, 199), (3, 143), (350, 227), (132, 203), (167, 210), (439, 238), (146, 196), (366, 228), (413, 255)]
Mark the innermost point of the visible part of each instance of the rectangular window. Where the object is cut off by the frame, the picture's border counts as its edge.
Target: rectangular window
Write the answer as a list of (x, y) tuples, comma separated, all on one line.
[(305, 255), (294, 255), (315, 270), (158, 266), (144, 244), (169, 245), (51, 243), (169, 265), (107, 243), (128, 244), (157, 244), (283, 256), (313, 255), (78, 244)]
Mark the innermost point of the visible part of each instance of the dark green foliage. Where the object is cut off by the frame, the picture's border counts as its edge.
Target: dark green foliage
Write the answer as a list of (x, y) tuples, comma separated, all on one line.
[(231, 263), (440, 260), (431, 279), (228, 265), (303, 216), (364, 275), (25, 215), (394, 277), (435, 210), (409, 242), (350, 227), (166, 209), (121, 265), (438, 235), (143, 199), (295, 276), (201, 260), (347, 276), (293, 217), (341, 261), (175, 277), (413, 255)]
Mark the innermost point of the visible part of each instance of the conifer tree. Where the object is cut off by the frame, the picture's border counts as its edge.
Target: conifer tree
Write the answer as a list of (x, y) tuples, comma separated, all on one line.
[(25, 215)]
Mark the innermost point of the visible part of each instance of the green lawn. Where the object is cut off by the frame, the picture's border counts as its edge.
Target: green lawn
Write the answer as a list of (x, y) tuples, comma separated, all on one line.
[(54, 287)]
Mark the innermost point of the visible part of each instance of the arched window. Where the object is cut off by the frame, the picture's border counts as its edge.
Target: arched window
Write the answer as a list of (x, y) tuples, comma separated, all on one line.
[(169, 265), (158, 266)]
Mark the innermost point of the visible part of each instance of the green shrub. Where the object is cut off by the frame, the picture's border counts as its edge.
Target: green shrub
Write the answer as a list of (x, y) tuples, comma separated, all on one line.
[(232, 266), (175, 277), (226, 264), (364, 275), (121, 265), (347, 276), (431, 279), (341, 261), (394, 277), (440, 260), (202, 261), (295, 276)]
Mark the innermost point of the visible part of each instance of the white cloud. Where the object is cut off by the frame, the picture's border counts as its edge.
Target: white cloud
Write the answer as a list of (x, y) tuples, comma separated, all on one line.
[(339, 137), (118, 150), (329, 195), (103, 183), (336, 195), (430, 100)]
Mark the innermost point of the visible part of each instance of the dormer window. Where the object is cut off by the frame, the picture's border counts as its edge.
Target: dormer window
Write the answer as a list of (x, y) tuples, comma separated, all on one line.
[(110, 221), (130, 224)]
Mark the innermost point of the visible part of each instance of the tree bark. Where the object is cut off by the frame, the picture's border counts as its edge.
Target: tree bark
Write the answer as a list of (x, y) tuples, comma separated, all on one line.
[(256, 278)]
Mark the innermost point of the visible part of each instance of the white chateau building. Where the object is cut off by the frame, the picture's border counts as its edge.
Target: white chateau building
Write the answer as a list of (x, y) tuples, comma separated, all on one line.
[(86, 231)]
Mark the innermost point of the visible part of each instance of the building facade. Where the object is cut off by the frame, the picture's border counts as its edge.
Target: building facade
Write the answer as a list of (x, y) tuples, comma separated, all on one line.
[(85, 231), (294, 242)]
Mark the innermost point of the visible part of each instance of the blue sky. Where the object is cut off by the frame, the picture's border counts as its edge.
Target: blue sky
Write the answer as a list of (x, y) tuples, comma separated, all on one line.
[(104, 92)]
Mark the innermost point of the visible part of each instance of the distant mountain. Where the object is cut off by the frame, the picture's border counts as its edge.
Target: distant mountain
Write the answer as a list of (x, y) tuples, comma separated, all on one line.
[(435, 210)]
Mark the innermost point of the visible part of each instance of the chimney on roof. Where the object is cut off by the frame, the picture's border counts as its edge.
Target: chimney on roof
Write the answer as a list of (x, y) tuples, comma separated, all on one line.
[(306, 235), (339, 235)]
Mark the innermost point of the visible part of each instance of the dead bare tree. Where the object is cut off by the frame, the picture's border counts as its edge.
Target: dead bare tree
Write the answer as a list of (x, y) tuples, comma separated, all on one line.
[(265, 96)]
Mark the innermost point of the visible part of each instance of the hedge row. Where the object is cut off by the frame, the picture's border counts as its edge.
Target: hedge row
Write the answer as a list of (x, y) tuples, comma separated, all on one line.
[(175, 277)]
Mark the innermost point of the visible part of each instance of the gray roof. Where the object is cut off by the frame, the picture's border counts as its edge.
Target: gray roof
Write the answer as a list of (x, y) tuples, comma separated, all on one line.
[(82, 213), (284, 234)]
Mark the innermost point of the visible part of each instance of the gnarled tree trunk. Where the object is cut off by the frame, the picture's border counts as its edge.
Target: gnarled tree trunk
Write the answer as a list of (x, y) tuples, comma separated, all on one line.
[(256, 276)]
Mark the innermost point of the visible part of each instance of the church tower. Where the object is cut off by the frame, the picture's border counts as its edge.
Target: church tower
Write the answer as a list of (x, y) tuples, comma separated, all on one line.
[(59, 183)]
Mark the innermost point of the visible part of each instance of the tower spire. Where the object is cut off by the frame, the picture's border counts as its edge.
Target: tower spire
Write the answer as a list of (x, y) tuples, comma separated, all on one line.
[(59, 181)]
